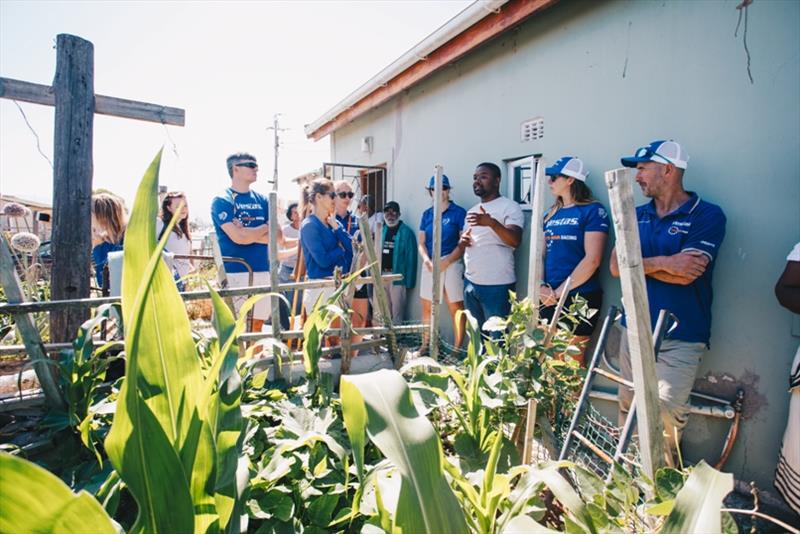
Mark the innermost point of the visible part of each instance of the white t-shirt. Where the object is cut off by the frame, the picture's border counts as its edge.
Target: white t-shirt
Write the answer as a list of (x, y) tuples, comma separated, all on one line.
[(489, 261), (794, 255), (177, 245), (292, 233)]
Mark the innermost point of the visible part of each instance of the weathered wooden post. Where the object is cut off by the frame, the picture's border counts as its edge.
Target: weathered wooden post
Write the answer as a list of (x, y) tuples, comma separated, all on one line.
[(640, 338), (72, 182), (274, 270), (436, 297), (377, 287), (536, 246), (27, 328)]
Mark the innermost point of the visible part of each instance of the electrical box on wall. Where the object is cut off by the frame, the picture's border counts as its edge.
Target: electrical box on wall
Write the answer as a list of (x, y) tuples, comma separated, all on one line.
[(366, 144), (532, 129)]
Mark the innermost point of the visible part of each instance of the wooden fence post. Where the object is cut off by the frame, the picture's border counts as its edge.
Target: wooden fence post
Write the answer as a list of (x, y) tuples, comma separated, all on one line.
[(72, 182), (640, 338), (536, 246), (274, 270), (27, 329), (436, 248), (378, 289)]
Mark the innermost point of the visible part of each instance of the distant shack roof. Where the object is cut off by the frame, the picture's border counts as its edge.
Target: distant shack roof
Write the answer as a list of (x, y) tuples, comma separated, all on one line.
[(477, 24)]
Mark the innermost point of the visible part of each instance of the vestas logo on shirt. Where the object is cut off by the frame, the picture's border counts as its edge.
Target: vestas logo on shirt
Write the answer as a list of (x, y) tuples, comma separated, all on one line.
[(445, 221), (602, 213), (222, 215), (679, 227), (568, 221)]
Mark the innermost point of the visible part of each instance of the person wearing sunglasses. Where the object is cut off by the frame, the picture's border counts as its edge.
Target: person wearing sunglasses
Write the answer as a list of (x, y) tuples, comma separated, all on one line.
[(325, 242), (451, 268), (680, 236), (241, 222), (575, 232)]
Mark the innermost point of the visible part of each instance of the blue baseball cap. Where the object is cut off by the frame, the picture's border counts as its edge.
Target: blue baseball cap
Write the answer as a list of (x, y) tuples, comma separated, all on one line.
[(445, 182), (568, 166), (660, 152)]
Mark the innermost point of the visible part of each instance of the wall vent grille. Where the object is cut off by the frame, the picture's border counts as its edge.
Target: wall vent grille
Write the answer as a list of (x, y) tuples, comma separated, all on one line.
[(532, 129)]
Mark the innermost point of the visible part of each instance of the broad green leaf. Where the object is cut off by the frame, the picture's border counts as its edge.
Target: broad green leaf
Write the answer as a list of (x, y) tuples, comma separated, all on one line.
[(697, 507), (35, 500), (407, 439), (523, 524)]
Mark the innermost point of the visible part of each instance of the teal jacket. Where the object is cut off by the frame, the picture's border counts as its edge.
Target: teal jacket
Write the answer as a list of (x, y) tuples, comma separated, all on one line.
[(404, 260)]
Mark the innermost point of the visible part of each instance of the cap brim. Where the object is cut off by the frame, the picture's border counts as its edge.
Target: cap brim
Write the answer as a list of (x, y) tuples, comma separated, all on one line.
[(552, 171), (633, 161)]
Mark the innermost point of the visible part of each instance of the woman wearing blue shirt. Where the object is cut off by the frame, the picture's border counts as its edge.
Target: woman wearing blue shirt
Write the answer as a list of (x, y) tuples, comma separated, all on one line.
[(575, 232), (108, 230), (451, 266), (326, 245)]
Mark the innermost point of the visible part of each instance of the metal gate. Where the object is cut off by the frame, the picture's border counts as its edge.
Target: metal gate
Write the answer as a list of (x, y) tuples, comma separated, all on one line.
[(367, 181)]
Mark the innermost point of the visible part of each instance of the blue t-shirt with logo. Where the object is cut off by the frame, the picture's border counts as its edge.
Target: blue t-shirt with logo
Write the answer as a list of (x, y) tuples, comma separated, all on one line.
[(349, 223), (564, 235), (250, 209), (452, 225), (696, 225)]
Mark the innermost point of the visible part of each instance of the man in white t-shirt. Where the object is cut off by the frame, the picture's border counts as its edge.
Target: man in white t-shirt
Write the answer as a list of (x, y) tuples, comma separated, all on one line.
[(493, 231)]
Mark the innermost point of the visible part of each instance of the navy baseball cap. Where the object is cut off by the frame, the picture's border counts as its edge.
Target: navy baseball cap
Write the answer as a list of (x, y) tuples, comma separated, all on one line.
[(392, 205), (660, 152), (568, 166), (445, 182)]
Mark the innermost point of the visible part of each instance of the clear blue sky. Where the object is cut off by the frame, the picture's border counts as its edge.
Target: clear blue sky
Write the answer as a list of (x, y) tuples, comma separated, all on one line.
[(230, 65)]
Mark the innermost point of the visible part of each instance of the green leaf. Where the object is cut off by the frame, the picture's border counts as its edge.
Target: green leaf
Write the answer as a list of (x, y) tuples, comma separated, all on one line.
[(35, 500), (669, 482), (523, 524), (697, 507), (407, 439)]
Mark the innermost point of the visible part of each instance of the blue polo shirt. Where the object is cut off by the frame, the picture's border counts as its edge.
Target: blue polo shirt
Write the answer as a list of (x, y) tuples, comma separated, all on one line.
[(452, 225), (323, 248), (696, 225), (564, 234), (349, 223), (250, 209)]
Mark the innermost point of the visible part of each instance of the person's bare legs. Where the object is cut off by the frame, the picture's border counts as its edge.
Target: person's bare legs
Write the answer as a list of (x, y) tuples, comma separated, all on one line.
[(426, 320), (458, 328)]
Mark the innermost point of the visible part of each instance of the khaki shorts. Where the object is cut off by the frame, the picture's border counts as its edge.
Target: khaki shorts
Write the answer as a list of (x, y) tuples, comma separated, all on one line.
[(310, 296), (263, 308), (452, 282)]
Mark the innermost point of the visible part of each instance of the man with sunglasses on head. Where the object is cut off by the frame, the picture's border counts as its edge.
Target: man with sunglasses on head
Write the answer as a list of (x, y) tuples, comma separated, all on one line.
[(680, 237), (241, 221)]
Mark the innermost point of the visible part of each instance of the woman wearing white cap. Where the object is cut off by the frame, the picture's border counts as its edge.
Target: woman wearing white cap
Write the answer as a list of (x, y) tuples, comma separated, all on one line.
[(575, 232)]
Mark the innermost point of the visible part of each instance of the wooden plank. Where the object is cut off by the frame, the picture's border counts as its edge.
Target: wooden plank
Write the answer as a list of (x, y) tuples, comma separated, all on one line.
[(436, 248), (274, 270), (536, 246), (530, 423), (30, 307), (36, 93), (378, 289), (72, 182), (640, 338), (27, 328), (510, 15)]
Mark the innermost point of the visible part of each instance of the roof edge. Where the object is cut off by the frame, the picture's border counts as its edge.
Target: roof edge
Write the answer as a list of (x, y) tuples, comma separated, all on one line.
[(475, 25)]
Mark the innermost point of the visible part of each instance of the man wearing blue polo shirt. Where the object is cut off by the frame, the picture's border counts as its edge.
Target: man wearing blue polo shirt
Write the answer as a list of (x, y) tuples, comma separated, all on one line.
[(241, 218), (680, 237)]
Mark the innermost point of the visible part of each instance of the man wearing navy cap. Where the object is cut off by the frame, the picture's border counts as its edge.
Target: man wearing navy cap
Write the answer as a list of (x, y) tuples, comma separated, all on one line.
[(398, 256), (680, 237)]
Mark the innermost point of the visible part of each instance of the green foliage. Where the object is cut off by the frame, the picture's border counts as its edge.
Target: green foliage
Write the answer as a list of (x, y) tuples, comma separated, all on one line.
[(25, 487), (698, 503)]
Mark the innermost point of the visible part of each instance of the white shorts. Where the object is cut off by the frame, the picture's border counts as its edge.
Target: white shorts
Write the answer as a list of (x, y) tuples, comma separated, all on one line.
[(263, 308), (452, 282), (310, 296)]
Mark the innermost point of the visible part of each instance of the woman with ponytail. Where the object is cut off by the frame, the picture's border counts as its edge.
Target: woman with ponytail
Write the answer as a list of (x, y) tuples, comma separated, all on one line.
[(575, 232)]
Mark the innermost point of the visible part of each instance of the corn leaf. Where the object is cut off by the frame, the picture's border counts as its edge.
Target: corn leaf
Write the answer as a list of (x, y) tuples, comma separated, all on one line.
[(407, 439), (35, 500), (697, 506)]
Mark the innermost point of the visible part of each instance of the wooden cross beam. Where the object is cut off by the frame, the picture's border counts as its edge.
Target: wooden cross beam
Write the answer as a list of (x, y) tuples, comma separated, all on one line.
[(72, 95)]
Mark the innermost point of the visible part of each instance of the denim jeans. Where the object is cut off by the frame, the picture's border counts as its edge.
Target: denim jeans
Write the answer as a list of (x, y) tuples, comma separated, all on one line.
[(487, 301)]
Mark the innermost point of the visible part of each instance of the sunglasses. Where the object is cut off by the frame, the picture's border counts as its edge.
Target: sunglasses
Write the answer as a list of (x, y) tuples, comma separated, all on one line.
[(553, 178), (248, 164), (647, 152), (330, 194), (345, 194), (431, 190)]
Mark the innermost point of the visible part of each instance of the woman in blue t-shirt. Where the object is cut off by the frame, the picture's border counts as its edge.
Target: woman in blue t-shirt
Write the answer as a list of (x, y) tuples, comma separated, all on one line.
[(575, 232), (108, 231), (451, 266), (325, 243)]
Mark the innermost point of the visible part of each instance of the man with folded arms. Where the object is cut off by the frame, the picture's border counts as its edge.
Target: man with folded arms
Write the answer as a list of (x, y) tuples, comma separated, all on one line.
[(680, 237)]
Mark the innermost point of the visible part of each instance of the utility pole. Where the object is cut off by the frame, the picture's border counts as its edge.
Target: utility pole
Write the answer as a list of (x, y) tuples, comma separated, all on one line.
[(276, 129)]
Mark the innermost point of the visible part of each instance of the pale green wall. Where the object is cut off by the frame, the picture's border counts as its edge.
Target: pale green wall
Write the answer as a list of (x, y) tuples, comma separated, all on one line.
[(686, 79)]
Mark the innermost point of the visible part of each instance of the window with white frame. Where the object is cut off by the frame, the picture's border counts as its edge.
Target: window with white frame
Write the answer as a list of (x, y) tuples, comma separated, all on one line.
[(520, 177)]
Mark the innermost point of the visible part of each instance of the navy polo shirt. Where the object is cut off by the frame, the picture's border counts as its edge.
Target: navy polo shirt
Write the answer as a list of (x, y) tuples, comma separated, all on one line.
[(349, 223), (452, 224), (564, 235), (250, 209), (695, 225)]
